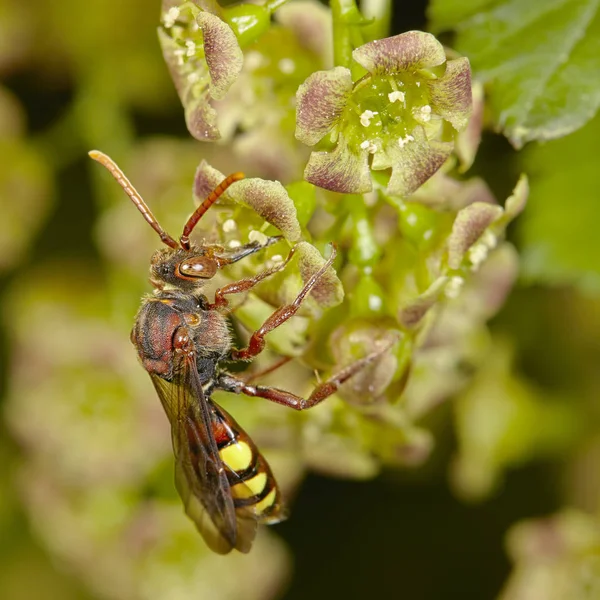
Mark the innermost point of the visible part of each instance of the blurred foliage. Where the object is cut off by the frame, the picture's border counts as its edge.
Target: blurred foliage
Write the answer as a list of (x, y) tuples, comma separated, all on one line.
[(532, 56), (88, 508)]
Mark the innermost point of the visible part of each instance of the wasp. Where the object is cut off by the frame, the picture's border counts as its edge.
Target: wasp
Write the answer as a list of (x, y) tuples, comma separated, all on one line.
[(182, 340)]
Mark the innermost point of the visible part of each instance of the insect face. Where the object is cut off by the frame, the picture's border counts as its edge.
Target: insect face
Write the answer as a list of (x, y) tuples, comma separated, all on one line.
[(187, 270)]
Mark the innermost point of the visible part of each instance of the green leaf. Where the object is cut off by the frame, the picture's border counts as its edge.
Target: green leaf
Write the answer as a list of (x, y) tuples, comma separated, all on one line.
[(538, 59), (560, 227)]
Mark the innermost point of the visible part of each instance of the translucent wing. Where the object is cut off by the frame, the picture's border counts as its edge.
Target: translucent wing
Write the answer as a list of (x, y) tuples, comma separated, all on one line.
[(200, 475)]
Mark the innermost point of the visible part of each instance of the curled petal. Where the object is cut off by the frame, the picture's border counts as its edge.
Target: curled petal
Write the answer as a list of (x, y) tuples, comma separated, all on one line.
[(468, 227), (408, 51), (467, 142), (329, 290), (450, 95), (341, 170), (204, 59), (193, 87), (267, 198), (356, 339), (495, 280), (321, 100), (223, 54), (516, 202), (206, 179), (271, 201), (412, 313), (201, 119), (414, 162)]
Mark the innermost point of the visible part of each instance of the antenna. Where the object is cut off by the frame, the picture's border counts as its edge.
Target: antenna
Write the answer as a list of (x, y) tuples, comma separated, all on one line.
[(116, 172), (184, 240)]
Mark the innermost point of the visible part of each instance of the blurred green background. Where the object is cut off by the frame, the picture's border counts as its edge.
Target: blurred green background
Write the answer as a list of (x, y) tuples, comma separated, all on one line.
[(73, 258)]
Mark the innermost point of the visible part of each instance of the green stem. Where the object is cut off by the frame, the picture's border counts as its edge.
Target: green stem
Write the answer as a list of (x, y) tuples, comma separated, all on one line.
[(404, 352), (379, 12), (364, 251), (346, 17)]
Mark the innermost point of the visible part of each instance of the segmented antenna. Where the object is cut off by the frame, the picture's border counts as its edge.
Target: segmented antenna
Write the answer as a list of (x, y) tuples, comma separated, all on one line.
[(116, 172), (184, 240)]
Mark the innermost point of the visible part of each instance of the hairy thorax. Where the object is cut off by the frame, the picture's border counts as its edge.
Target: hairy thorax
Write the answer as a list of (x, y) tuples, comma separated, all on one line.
[(167, 321)]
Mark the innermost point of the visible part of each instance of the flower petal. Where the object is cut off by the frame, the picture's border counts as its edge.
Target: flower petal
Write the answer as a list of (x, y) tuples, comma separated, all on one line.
[(450, 96), (414, 162), (494, 280), (201, 118), (321, 100), (408, 51), (204, 59), (193, 86), (355, 339), (271, 201), (411, 314), (267, 198), (206, 179), (468, 227), (340, 170), (467, 142), (222, 52), (329, 290), (516, 202)]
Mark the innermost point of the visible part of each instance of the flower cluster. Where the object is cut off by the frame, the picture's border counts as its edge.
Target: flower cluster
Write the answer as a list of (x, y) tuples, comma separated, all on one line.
[(366, 150)]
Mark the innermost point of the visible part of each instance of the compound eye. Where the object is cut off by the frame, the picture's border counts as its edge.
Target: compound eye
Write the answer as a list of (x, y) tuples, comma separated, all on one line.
[(199, 267)]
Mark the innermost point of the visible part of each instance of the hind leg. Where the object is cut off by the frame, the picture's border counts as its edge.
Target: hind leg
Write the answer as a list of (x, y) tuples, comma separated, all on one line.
[(321, 392)]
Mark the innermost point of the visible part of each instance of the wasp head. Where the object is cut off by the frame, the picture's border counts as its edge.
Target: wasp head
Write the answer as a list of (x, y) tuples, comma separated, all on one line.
[(182, 269)]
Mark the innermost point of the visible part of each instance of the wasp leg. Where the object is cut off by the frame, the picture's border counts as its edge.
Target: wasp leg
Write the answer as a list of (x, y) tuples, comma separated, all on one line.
[(243, 285), (232, 255), (321, 392), (281, 315)]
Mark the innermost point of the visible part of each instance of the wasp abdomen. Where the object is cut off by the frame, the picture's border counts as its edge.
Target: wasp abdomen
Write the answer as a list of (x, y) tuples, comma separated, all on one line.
[(249, 475)]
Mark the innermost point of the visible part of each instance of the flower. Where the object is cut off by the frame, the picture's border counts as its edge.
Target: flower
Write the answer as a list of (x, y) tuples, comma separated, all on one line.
[(204, 58), (402, 114)]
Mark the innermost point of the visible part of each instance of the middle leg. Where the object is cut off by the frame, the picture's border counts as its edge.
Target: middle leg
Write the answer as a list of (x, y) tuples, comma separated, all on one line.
[(281, 315), (244, 285)]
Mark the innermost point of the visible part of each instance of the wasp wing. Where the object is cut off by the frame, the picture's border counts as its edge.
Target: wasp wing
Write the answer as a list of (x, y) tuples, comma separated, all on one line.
[(200, 475)]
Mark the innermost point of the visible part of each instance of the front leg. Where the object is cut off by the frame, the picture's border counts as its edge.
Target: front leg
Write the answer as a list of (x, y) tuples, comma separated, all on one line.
[(281, 315), (243, 285), (321, 392)]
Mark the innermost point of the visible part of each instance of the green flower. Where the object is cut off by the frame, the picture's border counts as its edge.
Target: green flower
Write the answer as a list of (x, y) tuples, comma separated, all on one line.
[(403, 114)]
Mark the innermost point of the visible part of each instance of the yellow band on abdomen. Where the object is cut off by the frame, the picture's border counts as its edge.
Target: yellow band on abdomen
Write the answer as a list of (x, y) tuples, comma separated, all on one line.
[(266, 502), (252, 487), (237, 456)]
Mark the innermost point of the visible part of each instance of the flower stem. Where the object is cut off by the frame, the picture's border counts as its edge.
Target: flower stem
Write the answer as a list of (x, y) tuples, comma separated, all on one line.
[(379, 12), (346, 17)]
